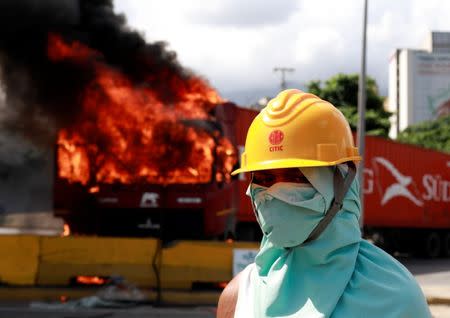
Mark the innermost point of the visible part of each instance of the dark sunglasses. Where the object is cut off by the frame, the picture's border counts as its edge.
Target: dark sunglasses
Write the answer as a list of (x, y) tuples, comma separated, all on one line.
[(267, 178)]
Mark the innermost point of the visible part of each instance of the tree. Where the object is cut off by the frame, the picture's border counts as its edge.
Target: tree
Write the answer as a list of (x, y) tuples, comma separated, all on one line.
[(342, 91), (433, 134)]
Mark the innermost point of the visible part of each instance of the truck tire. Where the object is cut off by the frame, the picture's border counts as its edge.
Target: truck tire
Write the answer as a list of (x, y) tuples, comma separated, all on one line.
[(446, 244), (430, 246)]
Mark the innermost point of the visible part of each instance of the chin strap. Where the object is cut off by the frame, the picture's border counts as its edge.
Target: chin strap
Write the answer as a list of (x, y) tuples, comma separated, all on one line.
[(341, 187), (253, 203)]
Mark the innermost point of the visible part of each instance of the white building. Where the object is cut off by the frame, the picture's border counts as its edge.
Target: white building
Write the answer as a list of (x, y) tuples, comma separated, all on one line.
[(419, 83)]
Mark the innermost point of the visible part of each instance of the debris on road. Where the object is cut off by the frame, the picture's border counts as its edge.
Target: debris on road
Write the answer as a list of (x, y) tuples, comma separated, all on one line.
[(118, 293)]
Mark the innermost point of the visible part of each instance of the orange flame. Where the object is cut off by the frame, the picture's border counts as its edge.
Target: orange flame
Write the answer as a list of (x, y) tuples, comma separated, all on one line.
[(66, 230), (91, 280), (127, 134), (94, 189), (60, 50)]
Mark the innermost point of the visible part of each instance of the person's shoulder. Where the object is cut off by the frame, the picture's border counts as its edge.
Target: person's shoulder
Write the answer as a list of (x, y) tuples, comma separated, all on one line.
[(228, 298)]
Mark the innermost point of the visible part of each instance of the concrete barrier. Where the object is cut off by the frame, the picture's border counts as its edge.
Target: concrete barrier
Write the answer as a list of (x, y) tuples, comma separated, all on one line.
[(19, 259), (40, 268), (54, 261), (62, 258), (188, 262)]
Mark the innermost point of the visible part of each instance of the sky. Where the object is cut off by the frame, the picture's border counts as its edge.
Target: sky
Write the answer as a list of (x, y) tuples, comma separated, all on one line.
[(235, 44)]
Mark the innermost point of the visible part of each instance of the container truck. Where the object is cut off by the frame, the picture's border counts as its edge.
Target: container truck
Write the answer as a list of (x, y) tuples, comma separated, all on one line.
[(406, 198)]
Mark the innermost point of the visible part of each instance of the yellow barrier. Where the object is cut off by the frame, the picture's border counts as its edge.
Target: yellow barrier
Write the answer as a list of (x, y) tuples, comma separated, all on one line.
[(62, 258), (53, 261), (19, 259), (197, 261)]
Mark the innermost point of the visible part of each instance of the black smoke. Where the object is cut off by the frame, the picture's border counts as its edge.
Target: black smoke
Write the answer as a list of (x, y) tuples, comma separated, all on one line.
[(42, 95)]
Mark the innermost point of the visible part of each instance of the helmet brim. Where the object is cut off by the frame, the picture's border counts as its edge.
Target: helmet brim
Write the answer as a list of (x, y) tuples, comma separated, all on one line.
[(292, 163)]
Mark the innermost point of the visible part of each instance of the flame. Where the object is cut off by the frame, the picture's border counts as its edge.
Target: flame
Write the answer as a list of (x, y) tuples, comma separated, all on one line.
[(66, 230), (226, 157), (60, 50), (127, 134), (91, 280), (94, 189)]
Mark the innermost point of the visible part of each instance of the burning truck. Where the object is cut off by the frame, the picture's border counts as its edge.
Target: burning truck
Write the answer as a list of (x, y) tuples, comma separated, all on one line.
[(143, 145), (132, 165), (135, 162)]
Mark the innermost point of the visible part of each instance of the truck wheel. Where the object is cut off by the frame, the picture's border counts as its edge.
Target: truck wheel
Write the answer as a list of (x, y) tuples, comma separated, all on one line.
[(446, 244), (431, 245)]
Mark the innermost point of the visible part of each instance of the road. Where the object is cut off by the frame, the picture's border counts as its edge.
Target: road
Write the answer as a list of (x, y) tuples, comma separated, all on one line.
[(431, 274), (440, 311), (23, 310), (434, 278)]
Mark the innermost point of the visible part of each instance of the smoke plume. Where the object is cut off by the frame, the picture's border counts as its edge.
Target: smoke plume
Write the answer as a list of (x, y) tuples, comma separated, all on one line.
[(41, 95)]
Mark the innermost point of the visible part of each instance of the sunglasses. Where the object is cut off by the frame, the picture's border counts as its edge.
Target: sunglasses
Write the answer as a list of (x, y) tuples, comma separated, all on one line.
[(268, 178)]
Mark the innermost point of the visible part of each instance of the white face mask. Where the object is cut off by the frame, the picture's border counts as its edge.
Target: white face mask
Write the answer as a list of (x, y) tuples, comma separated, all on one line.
[(287, 212)]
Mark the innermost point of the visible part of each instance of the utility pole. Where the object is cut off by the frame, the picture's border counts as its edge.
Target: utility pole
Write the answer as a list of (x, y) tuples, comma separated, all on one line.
[(283, 71), (362, 114)]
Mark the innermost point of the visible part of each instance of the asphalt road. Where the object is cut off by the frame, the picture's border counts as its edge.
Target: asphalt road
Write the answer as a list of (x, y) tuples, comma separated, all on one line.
[(427, 272), (23, 310), (433, 276), (440, 311)]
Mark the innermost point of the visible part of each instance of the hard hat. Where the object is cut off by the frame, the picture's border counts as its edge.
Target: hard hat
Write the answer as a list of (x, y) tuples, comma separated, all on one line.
[(297, 129)]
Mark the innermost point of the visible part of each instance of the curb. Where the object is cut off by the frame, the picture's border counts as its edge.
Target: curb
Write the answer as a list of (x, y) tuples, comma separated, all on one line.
[(438, 301), (436, 294)]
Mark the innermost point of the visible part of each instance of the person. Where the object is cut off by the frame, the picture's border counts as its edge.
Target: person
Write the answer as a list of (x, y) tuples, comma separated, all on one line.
[(312, 260)]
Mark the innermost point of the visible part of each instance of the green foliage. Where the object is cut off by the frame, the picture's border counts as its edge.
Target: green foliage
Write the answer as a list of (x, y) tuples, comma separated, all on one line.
[(342, 91), (430, 134)]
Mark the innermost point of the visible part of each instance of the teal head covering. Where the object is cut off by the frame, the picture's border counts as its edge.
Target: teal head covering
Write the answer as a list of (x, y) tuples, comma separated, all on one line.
[(336, 275)]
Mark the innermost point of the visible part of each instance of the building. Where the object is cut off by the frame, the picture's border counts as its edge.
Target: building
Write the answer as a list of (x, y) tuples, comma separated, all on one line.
[(419, 83)]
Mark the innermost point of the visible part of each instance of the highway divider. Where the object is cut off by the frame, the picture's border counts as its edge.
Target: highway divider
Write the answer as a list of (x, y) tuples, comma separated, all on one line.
[(57, 261)]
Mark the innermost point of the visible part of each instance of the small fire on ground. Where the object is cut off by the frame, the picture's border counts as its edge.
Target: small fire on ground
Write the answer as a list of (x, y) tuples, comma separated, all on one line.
[(91, 280)]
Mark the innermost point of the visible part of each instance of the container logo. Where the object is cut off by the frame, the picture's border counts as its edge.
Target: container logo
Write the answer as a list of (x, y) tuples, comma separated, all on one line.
[(399, 185), (392, 183), (276, 137), (149, 200)]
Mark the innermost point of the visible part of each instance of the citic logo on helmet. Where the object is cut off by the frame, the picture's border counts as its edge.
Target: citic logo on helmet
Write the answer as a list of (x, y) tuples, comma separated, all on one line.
[(276, 138)]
